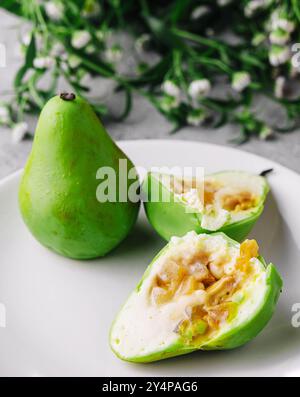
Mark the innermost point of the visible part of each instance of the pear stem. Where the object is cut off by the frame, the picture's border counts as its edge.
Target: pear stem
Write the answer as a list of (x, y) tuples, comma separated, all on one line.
[(67, 96), (266, 172)]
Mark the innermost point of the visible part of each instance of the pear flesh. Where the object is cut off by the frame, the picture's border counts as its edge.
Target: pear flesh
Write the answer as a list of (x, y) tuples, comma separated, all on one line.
[(57, 194), (201, 292), (229, 201)]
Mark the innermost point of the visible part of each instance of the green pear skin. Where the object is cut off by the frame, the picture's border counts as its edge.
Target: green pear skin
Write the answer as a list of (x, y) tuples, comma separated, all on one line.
[(57, 194)]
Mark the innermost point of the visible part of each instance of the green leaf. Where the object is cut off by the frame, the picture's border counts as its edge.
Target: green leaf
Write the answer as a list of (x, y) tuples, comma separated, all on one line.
[(28, 64), (155, 74), (162, 32), (128, 105), (179, 8), (253, 60), (296, 9), (222, 120), (12, 6)]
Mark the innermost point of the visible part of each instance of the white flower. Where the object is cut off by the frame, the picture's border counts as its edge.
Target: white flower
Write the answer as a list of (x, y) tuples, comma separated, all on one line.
[(285, 24), (240, 81), (64, 66), (172, 96), (57, 49), (113, 54), (199, 12), (25, 39), (74, 61), (258, 39), (196, 117), (54, 10), (103, 34), (199, 88), (279, 87), (43, 62), (19, 131), (265, 132), (92, 9), (279, 20), (194, 121), (223, 3), (86, 78), (279, 36), (90, 49), (4, 115), (279, 55), (168, 103), (64, 56), (80, 39), (253, 6), (171, 89), (142, 42)]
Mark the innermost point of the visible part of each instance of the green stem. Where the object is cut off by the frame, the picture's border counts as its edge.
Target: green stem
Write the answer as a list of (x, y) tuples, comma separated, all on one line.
[(213, 62), (199, 39), (296, 8), (33, 91)]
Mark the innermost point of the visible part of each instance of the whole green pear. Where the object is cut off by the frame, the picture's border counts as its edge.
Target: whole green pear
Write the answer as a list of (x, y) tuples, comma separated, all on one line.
[(57, 194)]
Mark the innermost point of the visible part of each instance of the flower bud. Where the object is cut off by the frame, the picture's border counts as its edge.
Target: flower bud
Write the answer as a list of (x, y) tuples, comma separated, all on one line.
[(240, 81), (171, 89), (80, 39), (199, 88)]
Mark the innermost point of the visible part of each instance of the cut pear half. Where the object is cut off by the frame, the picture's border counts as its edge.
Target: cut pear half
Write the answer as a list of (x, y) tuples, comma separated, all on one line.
[(230, 202), (201, 292)]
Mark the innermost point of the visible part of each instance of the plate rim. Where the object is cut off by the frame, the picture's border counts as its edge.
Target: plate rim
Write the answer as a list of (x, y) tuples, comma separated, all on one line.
[(16, 173)]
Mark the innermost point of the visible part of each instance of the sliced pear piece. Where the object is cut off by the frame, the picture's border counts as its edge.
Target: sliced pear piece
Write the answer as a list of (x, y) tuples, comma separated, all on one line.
[(58, 191), (230, 202), (201, 292)]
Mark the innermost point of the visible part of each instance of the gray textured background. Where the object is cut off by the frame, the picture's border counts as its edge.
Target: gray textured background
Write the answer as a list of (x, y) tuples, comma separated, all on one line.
[(144, 122)]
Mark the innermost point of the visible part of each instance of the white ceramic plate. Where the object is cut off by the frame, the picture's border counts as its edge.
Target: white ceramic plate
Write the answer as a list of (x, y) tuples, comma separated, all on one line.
[(59, 311)]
